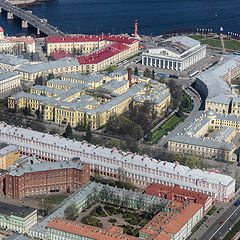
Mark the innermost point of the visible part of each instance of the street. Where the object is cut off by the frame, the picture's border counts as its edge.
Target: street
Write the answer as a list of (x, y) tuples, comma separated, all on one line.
[(218, 225)]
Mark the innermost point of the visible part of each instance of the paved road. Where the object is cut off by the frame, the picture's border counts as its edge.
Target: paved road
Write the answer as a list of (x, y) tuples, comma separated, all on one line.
[(226, 213), (196, 106), (217, 231)]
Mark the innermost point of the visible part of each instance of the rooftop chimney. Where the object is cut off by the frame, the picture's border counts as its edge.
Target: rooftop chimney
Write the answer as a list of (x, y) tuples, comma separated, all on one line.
[(130, 77)]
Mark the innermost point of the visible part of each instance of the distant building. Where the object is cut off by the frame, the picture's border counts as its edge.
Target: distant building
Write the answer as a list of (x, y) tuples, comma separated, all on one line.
[(47, 177), (191, 138), (16, 45), (220, 99), (8, 155), (18, 236), (91, 99), (17, 218), (9, 81), (175, 53), (175, 193), (177, 224), (99, 52)]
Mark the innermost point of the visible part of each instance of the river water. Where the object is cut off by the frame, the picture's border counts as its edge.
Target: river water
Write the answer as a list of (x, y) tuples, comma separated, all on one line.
[(117, 16)]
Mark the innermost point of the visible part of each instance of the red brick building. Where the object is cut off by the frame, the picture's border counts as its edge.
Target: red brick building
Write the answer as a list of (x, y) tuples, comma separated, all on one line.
[(180, 195), (46, 177)]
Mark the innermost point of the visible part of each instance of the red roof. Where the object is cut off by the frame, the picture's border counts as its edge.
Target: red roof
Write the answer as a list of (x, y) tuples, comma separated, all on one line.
[(172, 222), (88, 231), (91, 38), (156, 189), (60, 54), (102, 54), (1, 29)]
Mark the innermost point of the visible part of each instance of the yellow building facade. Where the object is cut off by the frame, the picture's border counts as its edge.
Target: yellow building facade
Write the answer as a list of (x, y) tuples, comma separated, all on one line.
[(8, 155)]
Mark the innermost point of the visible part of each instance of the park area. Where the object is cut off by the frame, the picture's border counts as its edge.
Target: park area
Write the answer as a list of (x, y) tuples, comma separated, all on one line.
[(105, 216), (215, 41), (165, 127)]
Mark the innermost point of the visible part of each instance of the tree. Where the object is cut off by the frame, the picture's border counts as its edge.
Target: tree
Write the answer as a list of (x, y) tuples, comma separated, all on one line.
[(222, 153), (147, 73), (80, 127), (50, 76), (88, 136), (71, 212), (110, 69), (136, 71), (46, 206), (114, 143), (27, 111), (153, 74), (39, 80), (193, 161), (180, 111), (39, 115), (68, 132)]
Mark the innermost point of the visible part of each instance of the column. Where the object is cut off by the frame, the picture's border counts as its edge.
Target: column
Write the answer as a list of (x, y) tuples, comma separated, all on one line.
[(24, 24), (10, 16), (166, 64), (38, 31)]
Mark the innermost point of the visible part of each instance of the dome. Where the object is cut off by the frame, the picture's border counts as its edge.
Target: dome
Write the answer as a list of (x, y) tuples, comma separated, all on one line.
[(210, 113), (189, 133)]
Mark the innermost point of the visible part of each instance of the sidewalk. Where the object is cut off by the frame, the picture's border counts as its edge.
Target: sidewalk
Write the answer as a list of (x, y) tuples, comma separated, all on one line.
[(211, 219)]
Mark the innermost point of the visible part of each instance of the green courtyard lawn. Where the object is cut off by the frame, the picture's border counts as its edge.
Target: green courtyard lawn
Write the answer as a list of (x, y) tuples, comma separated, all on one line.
[(133, 221), (166, 127)]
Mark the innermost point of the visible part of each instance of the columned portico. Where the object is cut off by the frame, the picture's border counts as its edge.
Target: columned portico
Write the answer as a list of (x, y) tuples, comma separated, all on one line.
[(174, 57)]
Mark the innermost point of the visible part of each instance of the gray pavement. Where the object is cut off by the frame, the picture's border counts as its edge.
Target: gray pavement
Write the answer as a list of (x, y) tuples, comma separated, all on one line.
[(218, 225)]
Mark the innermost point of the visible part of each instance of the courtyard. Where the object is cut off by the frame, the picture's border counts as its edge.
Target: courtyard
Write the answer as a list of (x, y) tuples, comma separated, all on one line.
[(107, 215)]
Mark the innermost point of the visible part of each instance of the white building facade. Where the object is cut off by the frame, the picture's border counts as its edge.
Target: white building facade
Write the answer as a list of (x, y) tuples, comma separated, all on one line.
[(16, 44), (142, 170), (176, 53)]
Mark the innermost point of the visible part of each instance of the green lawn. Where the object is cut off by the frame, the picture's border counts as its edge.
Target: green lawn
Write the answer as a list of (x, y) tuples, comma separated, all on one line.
[(166, 127), (234, 230), (215, 42), (92, 221), (211, 211), (197, 37), (56, 198), (186, 102)]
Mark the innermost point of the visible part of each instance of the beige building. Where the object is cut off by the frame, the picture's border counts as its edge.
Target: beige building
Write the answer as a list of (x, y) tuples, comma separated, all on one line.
[(214, 85), (8, 155), (90, 99), (9, 81), (100, 52), (16, 45), (191, 139)]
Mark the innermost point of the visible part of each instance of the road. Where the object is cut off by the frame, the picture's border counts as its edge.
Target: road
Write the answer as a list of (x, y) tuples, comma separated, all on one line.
[(196, 106), (217, 231)]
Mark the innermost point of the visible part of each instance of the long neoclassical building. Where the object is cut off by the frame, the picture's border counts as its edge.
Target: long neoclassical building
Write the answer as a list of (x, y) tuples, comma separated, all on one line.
[(140, 169), (214, 85), (176, 53)]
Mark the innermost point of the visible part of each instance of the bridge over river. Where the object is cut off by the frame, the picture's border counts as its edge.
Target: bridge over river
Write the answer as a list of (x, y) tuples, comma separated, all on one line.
[(28, 18)]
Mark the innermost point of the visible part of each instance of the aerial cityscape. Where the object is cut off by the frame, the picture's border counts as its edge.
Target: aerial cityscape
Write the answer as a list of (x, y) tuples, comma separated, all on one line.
[(119, 120)]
